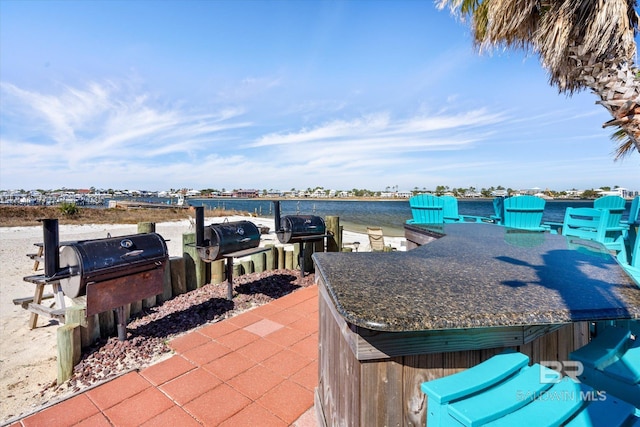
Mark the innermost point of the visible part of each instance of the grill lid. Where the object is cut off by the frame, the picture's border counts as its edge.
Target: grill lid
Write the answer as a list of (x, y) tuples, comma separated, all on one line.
[(293, 227), (228, 237), (98, 260)]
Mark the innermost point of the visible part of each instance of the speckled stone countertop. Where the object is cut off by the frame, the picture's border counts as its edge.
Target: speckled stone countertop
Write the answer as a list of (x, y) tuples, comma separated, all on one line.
[(479, 275)]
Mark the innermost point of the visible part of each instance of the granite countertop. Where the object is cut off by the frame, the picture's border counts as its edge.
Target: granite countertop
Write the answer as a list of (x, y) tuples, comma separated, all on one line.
[(479, 275)]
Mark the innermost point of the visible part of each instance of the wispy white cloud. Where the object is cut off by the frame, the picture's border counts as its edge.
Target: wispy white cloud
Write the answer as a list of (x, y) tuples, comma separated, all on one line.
[(100, 122)]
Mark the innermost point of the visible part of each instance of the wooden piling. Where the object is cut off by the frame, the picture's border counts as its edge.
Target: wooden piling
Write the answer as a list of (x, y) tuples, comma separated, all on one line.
[(288, 257), (270, 258), (280, 257), (309, 248), (196, 270), (247, 265), (217, 271), (167, 291), (334, 242), (147, 227), (107, 324), (89, 326), (135, 308), (68, 339), (258, 262), (296, 257), (178, 276)]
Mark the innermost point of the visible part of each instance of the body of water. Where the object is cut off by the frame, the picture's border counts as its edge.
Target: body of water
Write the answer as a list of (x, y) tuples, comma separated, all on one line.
[(356, 215)]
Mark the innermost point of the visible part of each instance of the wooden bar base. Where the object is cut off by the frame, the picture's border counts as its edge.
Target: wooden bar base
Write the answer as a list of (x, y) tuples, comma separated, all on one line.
[(367, 391)]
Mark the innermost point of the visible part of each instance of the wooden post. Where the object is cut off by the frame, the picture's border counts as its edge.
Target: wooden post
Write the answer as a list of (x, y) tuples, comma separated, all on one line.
[(269, 258), (89, 326), (247, 265), (135, 308), (68, 339), (280, 257), (147, 227), (309, 248), (196, 270), (296, 257), (258, 262), (288, 258), (217, 271), (107, 324), (333, 229), (167, 292), (178, 276)]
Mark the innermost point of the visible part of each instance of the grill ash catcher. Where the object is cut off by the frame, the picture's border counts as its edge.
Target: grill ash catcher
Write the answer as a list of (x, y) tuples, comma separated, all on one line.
[(111, 272), (226, 240), (299, 229)]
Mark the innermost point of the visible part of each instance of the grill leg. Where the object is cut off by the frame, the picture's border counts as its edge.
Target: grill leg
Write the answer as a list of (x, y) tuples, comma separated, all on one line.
[(122, 323), (230, 278), (301, 259)]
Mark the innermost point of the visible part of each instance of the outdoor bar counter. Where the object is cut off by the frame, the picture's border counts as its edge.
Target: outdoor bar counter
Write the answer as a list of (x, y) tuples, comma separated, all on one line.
[(462, 293)]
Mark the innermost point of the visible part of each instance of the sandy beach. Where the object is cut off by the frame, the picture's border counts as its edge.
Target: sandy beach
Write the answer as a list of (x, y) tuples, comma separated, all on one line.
[(28, 357)]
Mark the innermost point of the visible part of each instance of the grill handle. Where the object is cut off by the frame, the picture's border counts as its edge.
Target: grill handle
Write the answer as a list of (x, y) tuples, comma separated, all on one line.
[(132, 253)]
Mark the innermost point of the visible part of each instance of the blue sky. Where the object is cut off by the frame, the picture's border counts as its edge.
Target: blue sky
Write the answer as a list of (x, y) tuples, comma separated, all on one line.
[(154, 95)]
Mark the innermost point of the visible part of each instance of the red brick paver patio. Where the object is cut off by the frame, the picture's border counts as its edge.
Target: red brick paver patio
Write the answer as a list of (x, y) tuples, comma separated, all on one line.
[(257, 368)]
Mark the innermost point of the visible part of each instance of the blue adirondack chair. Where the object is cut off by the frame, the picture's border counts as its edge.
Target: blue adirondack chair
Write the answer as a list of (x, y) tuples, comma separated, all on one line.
[(634, 212), (523, 212), (505, 391), (611, 362), (633, 268), (450, 212), (450, 209), (615, 205), (498, 209), (591, 224), (426, 209)]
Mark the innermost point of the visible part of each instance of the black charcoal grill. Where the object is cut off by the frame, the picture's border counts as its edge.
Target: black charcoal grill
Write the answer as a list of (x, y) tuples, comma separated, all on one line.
[(111, 272), (299, 229), (216, 240), (226, 240)]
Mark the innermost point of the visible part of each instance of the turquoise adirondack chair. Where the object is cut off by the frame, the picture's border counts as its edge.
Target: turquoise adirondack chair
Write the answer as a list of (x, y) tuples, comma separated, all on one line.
[(426, 209), (633, 267), (611, 363), (615, 205), (523, 212), (634, 212), (591, 224), (498, 209), (505, 391), (450, 209), (450, 212)]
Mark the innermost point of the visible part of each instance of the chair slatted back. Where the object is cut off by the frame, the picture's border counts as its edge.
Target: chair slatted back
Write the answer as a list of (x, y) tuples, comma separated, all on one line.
[(634, 211), (585, 223), (523, 212), (427, 209), (498, 209), (450, 209), (615, 205)]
